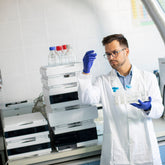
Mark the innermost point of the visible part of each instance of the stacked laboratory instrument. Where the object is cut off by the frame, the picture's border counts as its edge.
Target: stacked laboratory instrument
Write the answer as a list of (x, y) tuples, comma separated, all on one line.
[(26, 135), (72, 124)]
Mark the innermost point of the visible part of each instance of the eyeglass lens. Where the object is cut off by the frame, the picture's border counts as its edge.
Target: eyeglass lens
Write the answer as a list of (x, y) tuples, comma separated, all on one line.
[(114, 53)]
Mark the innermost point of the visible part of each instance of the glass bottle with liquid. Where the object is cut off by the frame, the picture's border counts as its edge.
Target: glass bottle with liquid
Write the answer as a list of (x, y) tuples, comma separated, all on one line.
[(65, 59), (132, 95), (51, 56), (60, 54), (116, 94), (71, 57)]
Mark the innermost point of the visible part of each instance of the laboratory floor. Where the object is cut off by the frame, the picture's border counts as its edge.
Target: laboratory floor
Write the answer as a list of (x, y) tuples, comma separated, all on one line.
[(159, 126), (162, 152)]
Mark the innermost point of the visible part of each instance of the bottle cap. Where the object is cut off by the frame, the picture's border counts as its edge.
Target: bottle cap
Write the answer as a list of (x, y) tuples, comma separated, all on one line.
[(58, 48), (52, 48), (64, 47), (115, 89), (128, 86)]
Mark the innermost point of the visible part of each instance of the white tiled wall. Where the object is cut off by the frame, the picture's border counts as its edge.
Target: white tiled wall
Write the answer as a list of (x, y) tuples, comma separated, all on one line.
[(29, 27)]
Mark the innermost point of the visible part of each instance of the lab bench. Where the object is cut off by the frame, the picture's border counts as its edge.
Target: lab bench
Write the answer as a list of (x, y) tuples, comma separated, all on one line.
[(159, 126), (76, 156), (86, 155)]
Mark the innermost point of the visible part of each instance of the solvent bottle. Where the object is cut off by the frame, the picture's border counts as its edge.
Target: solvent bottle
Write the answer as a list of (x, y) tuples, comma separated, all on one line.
[(65, 59), (116, 95), (52, 56), (71, 57), (60, 54)]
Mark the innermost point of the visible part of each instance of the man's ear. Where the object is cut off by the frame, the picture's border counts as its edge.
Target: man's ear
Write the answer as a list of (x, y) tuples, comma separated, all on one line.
[(127, 51)]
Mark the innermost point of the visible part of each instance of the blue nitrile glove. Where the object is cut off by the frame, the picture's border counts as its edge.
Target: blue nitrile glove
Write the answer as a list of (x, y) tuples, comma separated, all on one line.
[(146, 105), (88, 59)]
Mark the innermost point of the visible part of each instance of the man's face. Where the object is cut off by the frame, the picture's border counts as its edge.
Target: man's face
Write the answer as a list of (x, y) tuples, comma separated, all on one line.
[(121, 54)]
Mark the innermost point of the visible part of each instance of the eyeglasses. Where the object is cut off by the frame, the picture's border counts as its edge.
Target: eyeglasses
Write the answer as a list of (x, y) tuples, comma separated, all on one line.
[(113, 54)]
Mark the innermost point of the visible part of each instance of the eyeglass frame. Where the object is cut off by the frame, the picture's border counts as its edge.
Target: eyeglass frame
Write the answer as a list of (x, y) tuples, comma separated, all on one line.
[(113, 54)]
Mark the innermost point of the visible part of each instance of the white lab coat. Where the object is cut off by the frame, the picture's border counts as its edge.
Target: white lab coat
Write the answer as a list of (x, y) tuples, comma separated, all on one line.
[(128, 137)]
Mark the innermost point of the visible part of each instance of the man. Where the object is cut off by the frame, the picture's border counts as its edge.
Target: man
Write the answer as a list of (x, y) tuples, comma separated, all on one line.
[(130, 99)]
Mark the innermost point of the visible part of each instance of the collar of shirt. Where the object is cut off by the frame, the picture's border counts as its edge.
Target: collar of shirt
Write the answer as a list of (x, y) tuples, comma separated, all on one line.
[(125, 80)]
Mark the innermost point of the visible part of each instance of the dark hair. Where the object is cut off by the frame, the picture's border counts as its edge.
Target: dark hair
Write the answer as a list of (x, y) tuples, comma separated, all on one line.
[(119, 37)]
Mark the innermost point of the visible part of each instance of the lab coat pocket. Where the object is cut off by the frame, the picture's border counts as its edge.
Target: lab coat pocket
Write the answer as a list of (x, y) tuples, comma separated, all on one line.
[(141, 153), (140, 148)]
